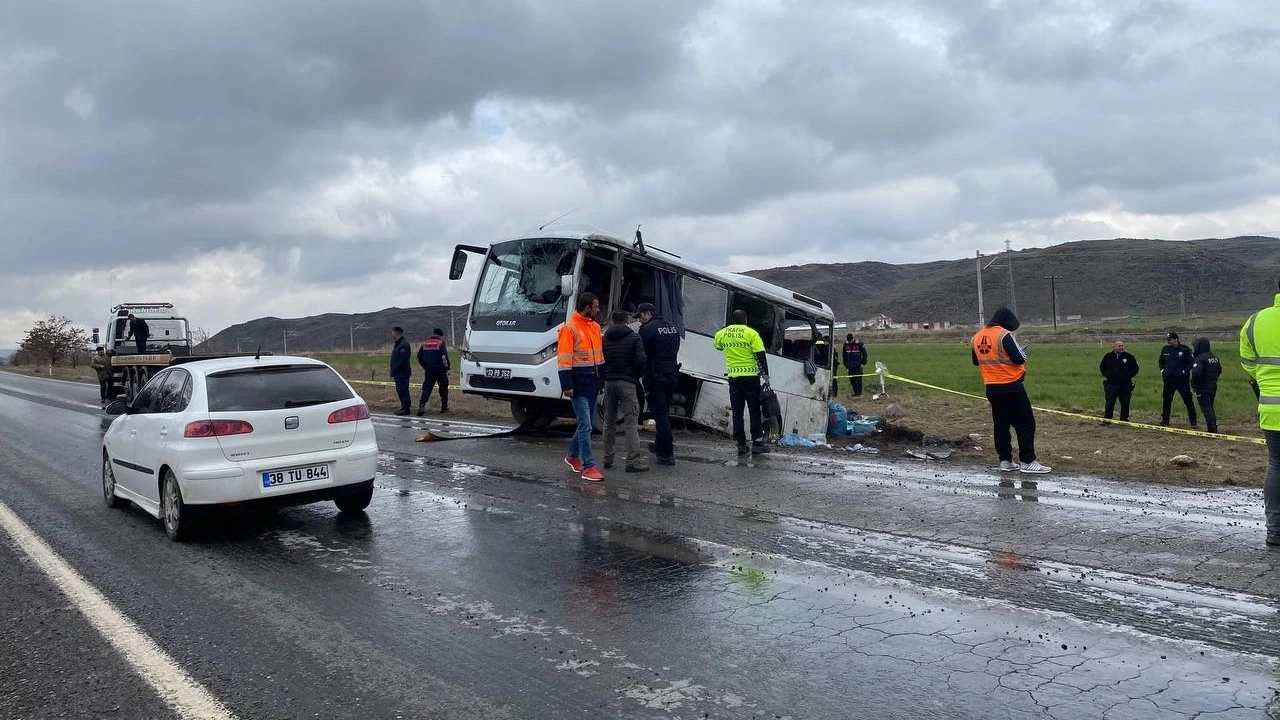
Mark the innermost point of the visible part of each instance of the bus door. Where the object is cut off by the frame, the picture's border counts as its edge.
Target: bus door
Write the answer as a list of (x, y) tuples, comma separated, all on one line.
[(600, 276)]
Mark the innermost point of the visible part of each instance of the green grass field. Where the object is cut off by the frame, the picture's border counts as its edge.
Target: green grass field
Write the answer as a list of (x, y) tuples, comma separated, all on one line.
[(1065, 376), (370, 366)]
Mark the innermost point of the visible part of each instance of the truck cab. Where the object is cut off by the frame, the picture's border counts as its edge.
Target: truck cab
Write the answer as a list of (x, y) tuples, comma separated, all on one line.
[(170, 332)]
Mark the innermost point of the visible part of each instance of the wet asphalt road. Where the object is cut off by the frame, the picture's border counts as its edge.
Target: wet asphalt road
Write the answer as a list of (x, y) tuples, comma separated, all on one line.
[(484, 582)]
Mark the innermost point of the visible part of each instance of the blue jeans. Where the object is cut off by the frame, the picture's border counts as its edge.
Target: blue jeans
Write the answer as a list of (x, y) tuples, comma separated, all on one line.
[(584, 407)]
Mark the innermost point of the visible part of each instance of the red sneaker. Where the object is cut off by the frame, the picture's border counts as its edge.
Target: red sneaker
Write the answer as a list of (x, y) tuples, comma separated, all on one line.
[(574, 463), (593, 474)]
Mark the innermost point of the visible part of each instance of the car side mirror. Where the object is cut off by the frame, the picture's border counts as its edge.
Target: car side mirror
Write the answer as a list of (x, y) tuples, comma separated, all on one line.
[(458, 265), (117, 407), (567, 285)]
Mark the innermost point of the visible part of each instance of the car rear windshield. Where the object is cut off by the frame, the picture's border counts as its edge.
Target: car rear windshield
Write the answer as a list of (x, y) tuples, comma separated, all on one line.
[(278, 387)]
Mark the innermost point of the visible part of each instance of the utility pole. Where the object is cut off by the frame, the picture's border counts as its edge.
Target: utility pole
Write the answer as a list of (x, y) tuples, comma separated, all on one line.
[(352, 329), (1008, 251), (982, 316), (288, 334), (1053, 290), (1182, 302), (453, 339)]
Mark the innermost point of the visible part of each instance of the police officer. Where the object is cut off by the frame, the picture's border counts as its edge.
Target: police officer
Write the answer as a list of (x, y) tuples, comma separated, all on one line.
[(401, 367), (1260, 357), (747, 368), (1118, 369), (1175, 370), (662, 369), (854, 355), (1205, 371), (1003, 364), (433, 356)]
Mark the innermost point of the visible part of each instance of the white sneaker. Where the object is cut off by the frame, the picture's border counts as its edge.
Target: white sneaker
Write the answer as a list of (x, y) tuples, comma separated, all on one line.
[(1008, 466), (1035, 467)]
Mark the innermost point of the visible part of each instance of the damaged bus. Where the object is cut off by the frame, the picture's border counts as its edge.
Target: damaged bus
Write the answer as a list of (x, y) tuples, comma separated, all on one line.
[(528, 285)]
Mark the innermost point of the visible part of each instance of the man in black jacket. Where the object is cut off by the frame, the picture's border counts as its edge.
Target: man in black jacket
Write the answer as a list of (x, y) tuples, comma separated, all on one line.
[(662, 368), (855, 358), (401, 367), (433, 356), (624, 362), (139, 331), (1118, 369), (1175, 370), (1205, 371)]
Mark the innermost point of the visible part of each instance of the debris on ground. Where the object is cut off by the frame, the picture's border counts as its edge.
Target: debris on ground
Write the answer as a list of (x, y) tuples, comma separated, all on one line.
[(929, 453), (860, 448), (894, 411), (794, 440), (1182, 460)]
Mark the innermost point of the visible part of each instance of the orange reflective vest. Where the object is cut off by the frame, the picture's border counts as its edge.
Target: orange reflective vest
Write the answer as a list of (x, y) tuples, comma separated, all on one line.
[(579, 344), (993, 362)]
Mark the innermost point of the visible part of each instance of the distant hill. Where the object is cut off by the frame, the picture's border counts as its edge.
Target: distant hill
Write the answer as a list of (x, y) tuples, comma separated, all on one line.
[(1098, 278), (333, 331)]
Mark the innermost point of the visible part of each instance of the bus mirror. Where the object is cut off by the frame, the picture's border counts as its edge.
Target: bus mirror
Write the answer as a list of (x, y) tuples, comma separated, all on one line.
[(95, 336), (566, 285), (459, 264)]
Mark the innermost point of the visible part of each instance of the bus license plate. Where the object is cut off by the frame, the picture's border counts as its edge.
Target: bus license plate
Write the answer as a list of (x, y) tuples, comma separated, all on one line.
[(276, 478), (497, 373)]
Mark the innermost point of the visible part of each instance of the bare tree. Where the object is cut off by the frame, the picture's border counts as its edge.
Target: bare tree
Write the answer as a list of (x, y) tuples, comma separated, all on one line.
[(199, 337), (53, 339)]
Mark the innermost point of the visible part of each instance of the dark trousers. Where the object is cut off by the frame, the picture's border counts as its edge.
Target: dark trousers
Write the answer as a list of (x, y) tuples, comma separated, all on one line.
[(855, 380), (1013, 410), (104, 389), (1205, 399), (659, 399), (1117, 391), (1271, 489), (745, 391), (437, 377), (141, 344), (1181, 386), (402, 390)]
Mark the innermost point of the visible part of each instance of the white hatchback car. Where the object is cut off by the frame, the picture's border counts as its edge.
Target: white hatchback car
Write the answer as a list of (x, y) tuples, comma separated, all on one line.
[(285, 430)]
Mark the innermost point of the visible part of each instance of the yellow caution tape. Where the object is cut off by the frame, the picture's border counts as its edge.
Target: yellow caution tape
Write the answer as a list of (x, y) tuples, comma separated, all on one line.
[(1054, 411)]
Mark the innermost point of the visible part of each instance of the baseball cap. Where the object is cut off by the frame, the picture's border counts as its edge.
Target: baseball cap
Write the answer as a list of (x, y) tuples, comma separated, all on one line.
[(1171, 336), (646, 307)]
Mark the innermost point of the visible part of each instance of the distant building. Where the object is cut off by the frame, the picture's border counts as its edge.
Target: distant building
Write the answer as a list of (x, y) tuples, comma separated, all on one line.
[(928, 326), (879, 322)]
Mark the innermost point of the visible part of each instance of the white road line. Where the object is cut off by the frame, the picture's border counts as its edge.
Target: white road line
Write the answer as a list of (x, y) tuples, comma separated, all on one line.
[(187, 697)]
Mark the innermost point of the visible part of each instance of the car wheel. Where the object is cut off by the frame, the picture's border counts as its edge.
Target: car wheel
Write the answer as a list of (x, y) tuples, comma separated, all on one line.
[(173, 512), (109, 484), (356, 499)]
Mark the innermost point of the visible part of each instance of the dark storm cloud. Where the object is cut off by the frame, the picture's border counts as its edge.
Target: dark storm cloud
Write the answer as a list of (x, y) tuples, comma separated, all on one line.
[(329, 140)]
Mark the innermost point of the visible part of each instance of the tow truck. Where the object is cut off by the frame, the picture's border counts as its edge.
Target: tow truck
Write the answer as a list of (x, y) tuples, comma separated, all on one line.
[(170, 343)]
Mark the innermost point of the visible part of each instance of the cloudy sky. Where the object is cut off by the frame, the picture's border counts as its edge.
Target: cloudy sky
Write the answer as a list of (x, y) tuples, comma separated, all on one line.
[(245, 158)]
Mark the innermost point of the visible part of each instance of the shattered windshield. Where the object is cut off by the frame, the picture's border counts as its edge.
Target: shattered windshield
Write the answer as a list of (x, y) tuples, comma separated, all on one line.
[(522, 278)]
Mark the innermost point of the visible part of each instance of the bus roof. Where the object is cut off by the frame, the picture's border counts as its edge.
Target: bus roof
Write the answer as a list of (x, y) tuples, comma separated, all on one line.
[(781, 295)]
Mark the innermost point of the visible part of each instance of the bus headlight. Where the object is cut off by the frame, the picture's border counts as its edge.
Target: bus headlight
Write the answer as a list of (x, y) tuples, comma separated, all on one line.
[(546, 354)]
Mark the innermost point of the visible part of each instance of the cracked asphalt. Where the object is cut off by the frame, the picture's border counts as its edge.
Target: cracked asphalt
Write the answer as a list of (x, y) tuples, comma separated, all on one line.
[(486, 582)]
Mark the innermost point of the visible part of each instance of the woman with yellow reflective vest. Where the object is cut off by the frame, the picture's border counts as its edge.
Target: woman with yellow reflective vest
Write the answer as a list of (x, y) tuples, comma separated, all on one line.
[(1003, 364), (1260, 357)]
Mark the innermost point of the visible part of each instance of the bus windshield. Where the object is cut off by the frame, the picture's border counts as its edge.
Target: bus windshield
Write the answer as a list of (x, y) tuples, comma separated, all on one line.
[(521, 282)]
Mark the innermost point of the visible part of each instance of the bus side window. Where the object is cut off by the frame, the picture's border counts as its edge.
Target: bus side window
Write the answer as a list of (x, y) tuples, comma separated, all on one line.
[(761, 317)]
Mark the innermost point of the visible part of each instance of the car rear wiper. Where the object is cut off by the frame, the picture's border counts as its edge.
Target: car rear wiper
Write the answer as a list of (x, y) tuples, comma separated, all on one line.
[(303, 403)]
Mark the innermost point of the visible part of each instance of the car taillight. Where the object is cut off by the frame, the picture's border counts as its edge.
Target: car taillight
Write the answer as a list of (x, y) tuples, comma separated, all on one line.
[(216, 428), (349, 414)]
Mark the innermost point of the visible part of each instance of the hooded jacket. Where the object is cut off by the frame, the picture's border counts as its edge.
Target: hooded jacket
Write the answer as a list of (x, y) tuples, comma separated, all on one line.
[(661, 349), (1205, 368), (1005, 318), (623, 354)]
